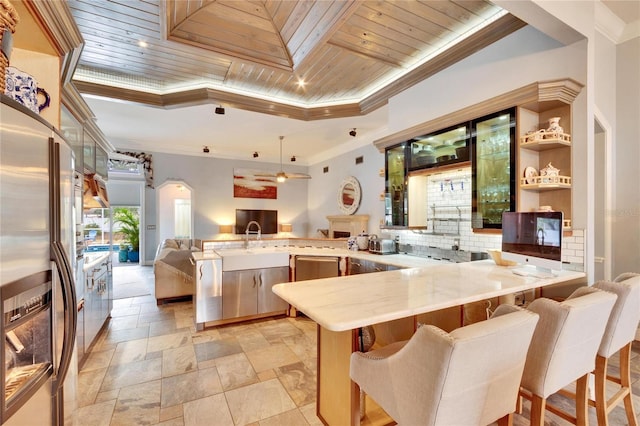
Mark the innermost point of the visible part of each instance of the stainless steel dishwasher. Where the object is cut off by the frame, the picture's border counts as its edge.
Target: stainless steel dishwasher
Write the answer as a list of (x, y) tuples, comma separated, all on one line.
[(314, 267)]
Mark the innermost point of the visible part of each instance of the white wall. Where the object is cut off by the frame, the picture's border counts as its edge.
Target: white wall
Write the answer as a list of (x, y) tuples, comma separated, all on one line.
[(211, 180), (323, 188), (626, 213)]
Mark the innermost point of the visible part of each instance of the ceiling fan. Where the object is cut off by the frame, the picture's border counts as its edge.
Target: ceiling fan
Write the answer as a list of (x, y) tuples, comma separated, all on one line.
[(281, 176)]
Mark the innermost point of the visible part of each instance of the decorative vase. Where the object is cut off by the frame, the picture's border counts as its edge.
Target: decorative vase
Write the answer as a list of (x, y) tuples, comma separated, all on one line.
[(123, 255), (134, 256), (554, 125)]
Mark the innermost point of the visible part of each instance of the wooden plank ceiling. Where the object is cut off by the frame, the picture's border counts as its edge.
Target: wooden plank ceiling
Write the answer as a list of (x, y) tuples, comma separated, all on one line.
[(303, 59)]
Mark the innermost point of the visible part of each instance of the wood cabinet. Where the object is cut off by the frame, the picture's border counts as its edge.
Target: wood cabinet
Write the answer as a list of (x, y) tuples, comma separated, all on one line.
[(539, 148)]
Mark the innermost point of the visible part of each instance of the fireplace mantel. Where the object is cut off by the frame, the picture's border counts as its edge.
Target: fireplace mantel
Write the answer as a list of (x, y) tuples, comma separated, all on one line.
[(347, 225)]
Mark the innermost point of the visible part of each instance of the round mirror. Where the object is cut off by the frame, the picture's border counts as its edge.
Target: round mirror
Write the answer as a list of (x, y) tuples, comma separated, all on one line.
[(349, 195)]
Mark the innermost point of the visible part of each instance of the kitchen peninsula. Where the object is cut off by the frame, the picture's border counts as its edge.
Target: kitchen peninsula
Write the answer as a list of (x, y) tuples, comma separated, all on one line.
[(340, 306)]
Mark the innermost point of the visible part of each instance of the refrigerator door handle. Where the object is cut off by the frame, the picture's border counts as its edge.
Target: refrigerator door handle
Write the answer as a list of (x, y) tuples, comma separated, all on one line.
[(70, 312)]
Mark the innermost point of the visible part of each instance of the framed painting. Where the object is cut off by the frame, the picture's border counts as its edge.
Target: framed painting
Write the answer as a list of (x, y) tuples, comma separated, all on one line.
[(249, 183)]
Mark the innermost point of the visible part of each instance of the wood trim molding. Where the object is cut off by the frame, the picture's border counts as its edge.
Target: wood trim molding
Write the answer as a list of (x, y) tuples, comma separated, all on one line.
[(483, 38), (564, 91), (57, 22)]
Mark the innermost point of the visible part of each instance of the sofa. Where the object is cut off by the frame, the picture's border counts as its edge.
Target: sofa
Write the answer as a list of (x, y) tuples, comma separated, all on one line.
[(173, 270)]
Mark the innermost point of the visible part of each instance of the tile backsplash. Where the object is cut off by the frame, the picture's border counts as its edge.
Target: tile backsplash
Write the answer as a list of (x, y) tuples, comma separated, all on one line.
[(448, 211)]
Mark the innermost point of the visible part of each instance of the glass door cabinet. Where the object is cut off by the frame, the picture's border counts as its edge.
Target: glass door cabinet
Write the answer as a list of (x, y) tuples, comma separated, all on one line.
[(493, 160), (395, 200)]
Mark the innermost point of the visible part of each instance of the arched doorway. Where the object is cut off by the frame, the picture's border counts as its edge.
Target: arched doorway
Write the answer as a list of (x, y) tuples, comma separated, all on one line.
[(175, 213)]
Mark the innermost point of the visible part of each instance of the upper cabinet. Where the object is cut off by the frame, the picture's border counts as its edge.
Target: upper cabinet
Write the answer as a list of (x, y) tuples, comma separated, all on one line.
[(493, 169), (73, 133), (396, 207), (46, 45), (520, 157)]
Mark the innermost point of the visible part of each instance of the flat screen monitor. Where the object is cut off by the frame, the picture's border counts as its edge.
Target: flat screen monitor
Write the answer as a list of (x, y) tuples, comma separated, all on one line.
[(533, 238), (268, 220)]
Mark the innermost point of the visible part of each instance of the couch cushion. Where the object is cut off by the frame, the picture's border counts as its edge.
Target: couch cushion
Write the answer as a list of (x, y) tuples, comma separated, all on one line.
[(179, 259)]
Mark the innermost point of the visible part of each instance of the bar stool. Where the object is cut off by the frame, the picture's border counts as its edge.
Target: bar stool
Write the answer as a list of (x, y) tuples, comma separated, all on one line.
[(563, 350), (618, 337), (468, 376)]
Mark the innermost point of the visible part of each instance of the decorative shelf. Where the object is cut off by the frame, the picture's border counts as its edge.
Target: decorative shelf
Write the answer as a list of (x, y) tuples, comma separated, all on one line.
[(545, 183), (543, 140)]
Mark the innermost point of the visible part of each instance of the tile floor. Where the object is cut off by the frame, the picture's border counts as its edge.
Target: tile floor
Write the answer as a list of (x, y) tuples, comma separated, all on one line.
[(150, 367)]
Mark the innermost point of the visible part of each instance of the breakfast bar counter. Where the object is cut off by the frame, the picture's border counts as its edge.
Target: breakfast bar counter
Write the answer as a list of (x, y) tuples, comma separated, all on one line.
[(340, 306)]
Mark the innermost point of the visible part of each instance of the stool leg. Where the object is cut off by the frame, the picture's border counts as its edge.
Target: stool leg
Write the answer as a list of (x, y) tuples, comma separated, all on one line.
[(506, 420), (600, 374), (625, 381), (537, 410), (582, 402)]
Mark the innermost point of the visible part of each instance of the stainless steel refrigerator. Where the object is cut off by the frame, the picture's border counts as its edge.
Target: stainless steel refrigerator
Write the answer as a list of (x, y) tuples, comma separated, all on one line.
[(37, 255)]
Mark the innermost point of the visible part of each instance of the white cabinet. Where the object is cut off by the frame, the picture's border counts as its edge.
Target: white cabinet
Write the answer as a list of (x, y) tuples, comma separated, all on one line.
[(248, 292)]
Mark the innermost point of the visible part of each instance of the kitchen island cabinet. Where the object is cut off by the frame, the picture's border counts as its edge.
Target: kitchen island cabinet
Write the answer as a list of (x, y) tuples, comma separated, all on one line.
[(248, 292), (342, 305)]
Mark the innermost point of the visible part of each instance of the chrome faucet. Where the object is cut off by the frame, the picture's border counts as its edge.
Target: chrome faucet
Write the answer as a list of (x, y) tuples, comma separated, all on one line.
[(248, 231)]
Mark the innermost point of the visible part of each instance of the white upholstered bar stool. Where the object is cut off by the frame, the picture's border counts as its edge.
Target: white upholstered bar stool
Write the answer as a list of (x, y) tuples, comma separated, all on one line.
[(470, 376), (563, 350), (618, 337)]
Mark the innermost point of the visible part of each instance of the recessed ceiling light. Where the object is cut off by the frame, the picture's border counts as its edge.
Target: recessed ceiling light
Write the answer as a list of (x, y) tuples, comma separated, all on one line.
[(301, 82), (143, 43)]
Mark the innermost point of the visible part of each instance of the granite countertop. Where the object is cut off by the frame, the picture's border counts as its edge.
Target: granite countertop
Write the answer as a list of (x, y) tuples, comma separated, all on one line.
[(345, 303)]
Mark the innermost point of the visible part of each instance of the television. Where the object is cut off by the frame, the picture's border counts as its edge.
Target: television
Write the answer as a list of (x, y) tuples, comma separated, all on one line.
[(533, 238), (268, 220)]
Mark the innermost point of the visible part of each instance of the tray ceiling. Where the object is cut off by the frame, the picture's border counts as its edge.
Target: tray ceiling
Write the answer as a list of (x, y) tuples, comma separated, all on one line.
[(298, 59)]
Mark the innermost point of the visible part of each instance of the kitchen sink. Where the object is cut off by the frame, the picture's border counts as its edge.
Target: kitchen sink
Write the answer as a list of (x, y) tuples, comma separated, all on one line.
[(253, 258)]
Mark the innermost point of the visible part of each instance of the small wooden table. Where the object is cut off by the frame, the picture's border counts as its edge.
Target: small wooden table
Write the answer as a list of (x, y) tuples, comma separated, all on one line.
[(340, 306)]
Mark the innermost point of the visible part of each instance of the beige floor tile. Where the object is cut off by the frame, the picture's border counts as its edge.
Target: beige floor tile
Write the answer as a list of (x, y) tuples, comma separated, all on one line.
[(299, 381), (171, 412), (89, 383), (107, 395), (217, 349), (190, 386), (133, 350), (178, 421), (258, 401), (169, 341), (113, 337), (138, 405), (119, 376), (235, 371), (309, 413), (178, 361), (267, 375), (273, 356), (97, 414), (293, 417), (123, 322), (98, 359), (252, 340), (276, 330), (212, 410)]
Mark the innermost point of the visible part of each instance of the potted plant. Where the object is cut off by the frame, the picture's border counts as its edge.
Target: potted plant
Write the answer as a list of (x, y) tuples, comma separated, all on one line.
[(130, 228)]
